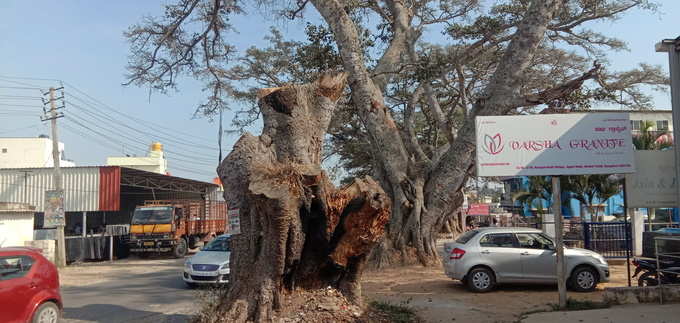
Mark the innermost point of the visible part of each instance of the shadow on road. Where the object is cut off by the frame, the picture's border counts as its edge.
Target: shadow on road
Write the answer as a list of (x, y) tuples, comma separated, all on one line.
[(115, 313)]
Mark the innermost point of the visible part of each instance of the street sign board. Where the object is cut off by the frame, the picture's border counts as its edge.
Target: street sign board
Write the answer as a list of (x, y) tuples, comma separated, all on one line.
[(654, 182), (554, 144), (234, 221), (478, 209), (54, 209)]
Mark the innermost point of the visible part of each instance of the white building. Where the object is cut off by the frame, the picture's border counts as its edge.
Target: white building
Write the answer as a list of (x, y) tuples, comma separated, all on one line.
[(30, 153), (16, 224), (662, 120), (154, 162)]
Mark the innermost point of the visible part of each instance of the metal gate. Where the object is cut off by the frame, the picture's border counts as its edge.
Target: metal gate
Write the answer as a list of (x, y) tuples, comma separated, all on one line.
[(610, 239)]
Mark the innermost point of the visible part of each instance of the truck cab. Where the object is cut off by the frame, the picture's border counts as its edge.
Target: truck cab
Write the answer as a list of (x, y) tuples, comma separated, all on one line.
[(159, 228)]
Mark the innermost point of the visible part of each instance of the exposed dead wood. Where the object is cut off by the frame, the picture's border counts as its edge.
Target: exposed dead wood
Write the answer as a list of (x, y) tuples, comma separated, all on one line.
[(298, 231)]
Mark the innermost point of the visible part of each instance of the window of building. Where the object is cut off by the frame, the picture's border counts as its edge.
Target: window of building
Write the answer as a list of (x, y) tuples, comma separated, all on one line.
[(662, 125), (636, 124), (4, 150)]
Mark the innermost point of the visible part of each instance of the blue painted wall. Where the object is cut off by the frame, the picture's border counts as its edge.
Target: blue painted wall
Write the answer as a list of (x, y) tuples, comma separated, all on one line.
[(614, 205)]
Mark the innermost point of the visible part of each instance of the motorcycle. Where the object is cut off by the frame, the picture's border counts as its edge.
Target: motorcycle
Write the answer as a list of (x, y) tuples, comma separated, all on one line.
[(650, 276)]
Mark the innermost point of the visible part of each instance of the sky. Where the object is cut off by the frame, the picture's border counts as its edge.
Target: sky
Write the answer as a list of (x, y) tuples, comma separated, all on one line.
[(81, 43)]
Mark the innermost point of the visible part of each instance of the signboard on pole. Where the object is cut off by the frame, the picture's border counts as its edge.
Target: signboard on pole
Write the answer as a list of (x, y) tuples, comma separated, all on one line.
[(478, 209), (654, 183), (554, 144), (234, 221), (54, 209)]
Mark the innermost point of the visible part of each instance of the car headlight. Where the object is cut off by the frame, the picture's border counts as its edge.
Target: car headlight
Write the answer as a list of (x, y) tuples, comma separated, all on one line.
[(224, 266), (601, 259), (187, 264)]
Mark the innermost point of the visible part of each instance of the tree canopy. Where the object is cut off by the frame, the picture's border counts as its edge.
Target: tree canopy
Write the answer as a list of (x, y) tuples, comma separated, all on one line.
[(419, 72)]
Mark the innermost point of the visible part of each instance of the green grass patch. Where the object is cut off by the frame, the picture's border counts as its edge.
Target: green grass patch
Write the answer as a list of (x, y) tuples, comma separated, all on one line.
[(395, 313)]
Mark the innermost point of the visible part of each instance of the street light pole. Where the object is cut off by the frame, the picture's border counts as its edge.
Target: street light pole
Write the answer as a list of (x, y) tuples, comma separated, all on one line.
[(672, 47)]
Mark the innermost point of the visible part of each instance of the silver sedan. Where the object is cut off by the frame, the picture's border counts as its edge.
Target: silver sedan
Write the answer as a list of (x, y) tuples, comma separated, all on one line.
[(485, 257)]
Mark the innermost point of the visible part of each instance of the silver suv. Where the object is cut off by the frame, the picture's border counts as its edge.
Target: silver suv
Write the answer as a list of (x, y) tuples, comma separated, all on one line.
[(485, 257)]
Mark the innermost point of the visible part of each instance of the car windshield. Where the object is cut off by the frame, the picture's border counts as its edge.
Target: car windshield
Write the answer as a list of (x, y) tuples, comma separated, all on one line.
[(152, 215), (218, 244), (465, 237)]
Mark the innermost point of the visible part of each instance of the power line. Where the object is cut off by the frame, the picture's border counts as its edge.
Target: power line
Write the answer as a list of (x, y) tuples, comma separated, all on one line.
[(80, 122), (114, 148), (94, 111), (146, 123), (168, 135), (131, 117), (19, 87), (21, 128), (193, 159), (5, 79)]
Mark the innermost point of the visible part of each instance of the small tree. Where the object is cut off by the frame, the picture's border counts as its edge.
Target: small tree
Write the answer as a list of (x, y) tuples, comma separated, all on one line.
[(650, 140), (540, 189), (589, 189)]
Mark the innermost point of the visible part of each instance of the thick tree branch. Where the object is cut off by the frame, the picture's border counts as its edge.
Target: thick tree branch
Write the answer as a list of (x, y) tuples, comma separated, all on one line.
[(555, 93), (366, 95), (409, 126)]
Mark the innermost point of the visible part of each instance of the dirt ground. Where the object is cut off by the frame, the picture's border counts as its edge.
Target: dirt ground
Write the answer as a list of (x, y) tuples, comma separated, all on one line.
[(437, 298)]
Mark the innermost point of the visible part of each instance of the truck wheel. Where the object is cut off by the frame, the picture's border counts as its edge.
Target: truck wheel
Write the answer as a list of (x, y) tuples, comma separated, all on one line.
[(180, 249), (192, 242)]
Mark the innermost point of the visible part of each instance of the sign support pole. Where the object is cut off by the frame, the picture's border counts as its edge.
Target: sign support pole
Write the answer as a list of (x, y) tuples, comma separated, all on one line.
[(672, 47), (559, 243)]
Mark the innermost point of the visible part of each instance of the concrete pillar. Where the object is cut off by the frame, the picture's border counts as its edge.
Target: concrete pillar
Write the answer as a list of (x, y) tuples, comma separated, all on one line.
[(84, 224), (637, 225), (548, 224)]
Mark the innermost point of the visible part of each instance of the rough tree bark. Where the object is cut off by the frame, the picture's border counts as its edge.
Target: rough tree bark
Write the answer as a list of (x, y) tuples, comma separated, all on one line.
[(298, 231)]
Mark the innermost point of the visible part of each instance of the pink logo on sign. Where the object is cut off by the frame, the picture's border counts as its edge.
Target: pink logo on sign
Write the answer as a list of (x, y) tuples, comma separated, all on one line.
[(493, 145), (554, 122)]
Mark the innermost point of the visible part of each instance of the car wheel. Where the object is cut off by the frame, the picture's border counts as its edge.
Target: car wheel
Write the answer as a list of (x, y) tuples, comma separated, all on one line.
[(47, 313), (180, 249), (648, 279), (583, 279), (480, 280)]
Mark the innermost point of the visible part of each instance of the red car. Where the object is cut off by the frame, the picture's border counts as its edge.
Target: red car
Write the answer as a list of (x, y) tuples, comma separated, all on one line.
[(29, 287)]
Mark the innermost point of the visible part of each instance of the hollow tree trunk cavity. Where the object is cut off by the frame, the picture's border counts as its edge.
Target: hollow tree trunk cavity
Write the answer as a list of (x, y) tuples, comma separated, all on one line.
[(297, 230)]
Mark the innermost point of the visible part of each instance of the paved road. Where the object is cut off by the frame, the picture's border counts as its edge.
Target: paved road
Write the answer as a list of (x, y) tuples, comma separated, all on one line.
[(647, 313), (155, 294)]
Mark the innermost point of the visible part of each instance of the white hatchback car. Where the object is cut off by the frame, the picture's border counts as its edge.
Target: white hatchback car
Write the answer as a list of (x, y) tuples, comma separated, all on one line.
[(485, 257), (210, 265)]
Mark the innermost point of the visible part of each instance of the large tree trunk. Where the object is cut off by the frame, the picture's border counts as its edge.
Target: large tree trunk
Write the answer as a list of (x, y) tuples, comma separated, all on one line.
[(297, 230), (425, 189)]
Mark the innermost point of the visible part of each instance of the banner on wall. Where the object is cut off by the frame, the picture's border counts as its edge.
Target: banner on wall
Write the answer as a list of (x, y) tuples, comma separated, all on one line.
[(54, 209), (554, 144)]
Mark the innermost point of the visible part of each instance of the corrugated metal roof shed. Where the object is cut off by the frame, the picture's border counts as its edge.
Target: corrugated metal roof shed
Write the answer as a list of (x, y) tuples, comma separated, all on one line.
[(95, 188), (28, 185)]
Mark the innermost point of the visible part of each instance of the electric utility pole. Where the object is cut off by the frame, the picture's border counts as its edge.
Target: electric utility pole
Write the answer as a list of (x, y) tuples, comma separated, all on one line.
[(58, 185)]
